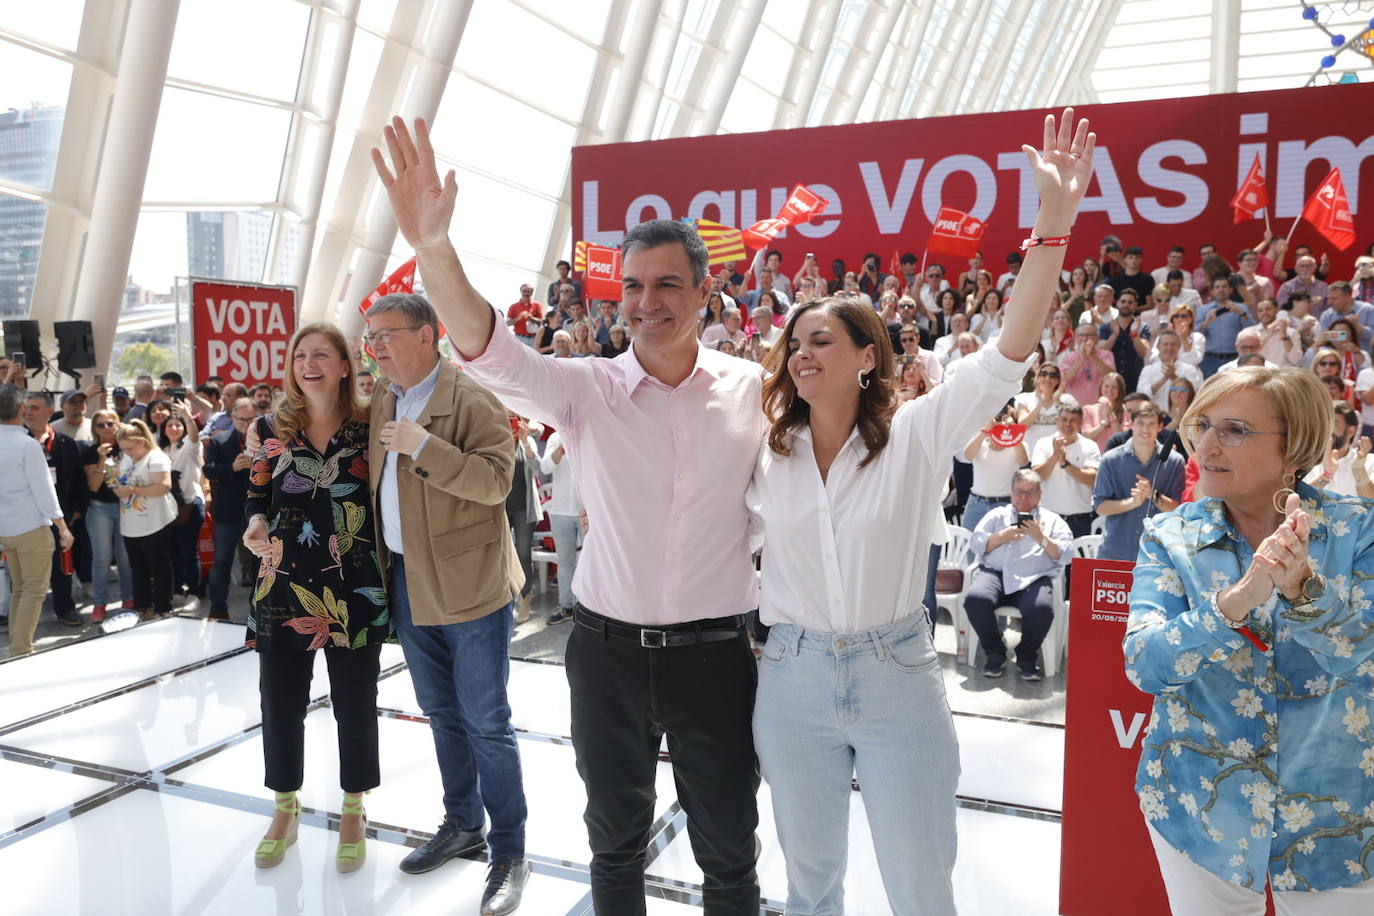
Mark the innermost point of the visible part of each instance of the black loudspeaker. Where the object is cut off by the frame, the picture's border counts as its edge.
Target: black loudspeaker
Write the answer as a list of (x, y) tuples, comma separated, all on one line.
[(75, 345), (22, 337)]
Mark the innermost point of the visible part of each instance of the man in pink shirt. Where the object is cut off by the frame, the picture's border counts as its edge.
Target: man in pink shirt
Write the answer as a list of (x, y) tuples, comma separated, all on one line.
[(664, 440)]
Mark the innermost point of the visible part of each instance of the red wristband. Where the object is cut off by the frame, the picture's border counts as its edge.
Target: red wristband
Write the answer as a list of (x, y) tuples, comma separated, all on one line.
[(1057, 241)]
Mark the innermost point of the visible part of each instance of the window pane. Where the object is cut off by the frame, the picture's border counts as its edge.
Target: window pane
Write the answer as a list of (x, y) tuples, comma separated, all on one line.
[(500, 222), (21, 235), (253, 46), (58, 22), (209, 148), (584, 17), (33, 97), (552, 70)]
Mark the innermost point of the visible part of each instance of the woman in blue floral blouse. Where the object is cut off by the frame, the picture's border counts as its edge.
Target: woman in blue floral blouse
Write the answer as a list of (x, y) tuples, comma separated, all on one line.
[(319, 586), (1252, 624)]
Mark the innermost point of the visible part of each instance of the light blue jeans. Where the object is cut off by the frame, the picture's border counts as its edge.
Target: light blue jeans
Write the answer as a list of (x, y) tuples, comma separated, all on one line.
[(873, 703), (565, 530), (102, 526)]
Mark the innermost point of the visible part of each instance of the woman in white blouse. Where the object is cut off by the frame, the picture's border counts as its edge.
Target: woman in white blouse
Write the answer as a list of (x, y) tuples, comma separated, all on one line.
[(180, 441), (849, 680)]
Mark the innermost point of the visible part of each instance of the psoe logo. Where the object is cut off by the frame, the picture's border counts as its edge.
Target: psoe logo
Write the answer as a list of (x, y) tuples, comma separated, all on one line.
[(1111, 595)]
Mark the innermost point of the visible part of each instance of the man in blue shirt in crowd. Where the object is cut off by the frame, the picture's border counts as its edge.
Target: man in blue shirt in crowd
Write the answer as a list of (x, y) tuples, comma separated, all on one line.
[(1136, 480), (1220, 321)]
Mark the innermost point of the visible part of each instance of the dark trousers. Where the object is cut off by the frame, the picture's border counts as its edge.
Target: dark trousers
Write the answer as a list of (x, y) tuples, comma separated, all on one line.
[(186, 543), (150, 561), (522, 532), (227, 535), (60, 582), (1035, 602), (963, 484), (81, 550), (460, 671), (625, 698), (284, 682), (1080, 523)]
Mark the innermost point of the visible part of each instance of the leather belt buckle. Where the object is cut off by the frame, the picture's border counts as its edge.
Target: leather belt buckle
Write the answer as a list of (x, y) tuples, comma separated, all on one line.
[(653, 639)]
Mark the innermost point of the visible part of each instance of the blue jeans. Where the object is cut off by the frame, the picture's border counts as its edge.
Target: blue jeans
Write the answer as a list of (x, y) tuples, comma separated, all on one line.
[(932, 603), (830, 705), (565, 529), (460, 671), (976, 508), (102, 526), (1211, 362), (227, 537)]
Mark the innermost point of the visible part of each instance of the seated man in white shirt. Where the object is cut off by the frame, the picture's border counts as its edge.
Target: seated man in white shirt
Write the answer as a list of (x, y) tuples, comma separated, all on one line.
[(762, 320), (1067, 465), (728, 329), (946, 348), (1174, 262), (1346, 469), (1157, 376), (1103, 310), (967, 343), (1019, 548), (1248, 343), (1179, 293)]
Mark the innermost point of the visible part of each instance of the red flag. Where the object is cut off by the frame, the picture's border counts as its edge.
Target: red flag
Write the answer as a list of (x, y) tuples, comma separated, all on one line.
[(894, 266), (956, 233), (1253, 194), (1328, 210), (602, 279), (401, 281), (801, 206)]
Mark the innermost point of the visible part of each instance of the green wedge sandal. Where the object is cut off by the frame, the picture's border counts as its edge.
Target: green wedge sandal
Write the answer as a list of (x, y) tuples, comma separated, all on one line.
[(270, 852), (351, 856)]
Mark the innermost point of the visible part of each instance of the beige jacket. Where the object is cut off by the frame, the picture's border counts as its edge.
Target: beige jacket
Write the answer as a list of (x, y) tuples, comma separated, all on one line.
[(463, 563)]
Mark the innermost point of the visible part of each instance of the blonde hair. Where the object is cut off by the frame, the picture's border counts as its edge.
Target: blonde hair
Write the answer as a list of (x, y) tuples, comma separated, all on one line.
[(137, 431), (292, 413), (1300, 402)]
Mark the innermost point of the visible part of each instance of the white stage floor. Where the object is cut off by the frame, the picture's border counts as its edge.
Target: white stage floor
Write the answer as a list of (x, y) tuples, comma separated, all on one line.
[(132, 774)]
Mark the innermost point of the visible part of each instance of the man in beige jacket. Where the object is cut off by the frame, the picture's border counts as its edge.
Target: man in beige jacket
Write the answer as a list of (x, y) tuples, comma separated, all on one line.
[(441, 466)]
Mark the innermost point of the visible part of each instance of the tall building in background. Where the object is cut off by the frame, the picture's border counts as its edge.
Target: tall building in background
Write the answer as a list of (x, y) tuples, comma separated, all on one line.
[(28, 155), (228, 246)]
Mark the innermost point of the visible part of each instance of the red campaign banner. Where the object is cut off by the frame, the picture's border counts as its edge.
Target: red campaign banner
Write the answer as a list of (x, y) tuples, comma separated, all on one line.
[(1104, 722), (955, 232), (1165, 172), (602, 279), (1007, 434), (242, 330), (801, 206)]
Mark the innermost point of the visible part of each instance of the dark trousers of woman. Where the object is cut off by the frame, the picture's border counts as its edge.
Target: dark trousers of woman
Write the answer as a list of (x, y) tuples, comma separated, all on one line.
[(187, 548), (625, 698), (150, 561), (284, 682)]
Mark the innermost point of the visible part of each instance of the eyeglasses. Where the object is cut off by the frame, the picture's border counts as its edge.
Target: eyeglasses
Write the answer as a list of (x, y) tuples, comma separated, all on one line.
[(384, 337), (1048, 373), (1178, 390), (1230, 433), (907, 340), (106, 425), (1329, 362)]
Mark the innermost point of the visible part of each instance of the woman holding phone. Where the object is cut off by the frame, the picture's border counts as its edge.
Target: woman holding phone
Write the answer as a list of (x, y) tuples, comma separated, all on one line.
[(844, 494)]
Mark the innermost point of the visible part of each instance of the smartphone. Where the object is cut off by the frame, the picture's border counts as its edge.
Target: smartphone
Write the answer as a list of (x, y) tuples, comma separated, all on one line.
[(1022, 518), (754, 337), (100, 382), (1340, 335), (1112, 249), (178, 394), (17, 358)]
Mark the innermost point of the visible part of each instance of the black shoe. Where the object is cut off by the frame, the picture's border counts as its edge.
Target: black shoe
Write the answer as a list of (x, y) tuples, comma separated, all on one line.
[(1030, 674), (449, 842), (71, 619), (4, 620), (562, 615), (218, 615), (505, 884), (995, 667)]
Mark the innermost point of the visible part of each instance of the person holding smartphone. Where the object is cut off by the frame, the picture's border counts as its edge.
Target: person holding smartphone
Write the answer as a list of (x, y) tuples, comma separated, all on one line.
[(1220, 320)]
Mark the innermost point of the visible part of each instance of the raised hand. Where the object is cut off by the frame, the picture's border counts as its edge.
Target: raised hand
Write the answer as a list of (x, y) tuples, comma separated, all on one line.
[(422, 204), (1065, 166)]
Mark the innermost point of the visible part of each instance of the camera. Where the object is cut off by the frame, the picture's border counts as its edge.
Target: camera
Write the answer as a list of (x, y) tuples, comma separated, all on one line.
[(1112, 249), (1341, 335), (178, 394)]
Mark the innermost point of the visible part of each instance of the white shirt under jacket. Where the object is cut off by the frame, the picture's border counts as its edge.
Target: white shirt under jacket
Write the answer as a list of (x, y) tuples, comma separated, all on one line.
[(849, 554)]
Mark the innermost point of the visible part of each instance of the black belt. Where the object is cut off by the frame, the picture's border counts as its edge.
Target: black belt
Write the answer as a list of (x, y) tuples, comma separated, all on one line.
[(667, 637), (1217, 355), (993, 499)]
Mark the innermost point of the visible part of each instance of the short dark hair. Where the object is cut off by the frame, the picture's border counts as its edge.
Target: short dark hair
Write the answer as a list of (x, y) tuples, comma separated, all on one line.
[(939, 267), (1346, 413), (907, 258), (1014, 258), (1074, 409), (1342, 286), (1135, 249), (1178, 249), (173, 377), (562, 264), (655, 232), (366, 372), (771, 252), (260, 386), (1135, 396), (1174, 275), (1146, 408), (37, 395)]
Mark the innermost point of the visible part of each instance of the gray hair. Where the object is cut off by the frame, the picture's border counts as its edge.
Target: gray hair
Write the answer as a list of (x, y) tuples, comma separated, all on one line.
[(1026, 475), (413, 306), (656, 232), (39, 396), (11, 401), (733, 313)]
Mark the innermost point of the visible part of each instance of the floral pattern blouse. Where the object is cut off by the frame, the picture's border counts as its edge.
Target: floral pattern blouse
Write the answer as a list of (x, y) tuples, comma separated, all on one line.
[(1258, 762), (322, 583)]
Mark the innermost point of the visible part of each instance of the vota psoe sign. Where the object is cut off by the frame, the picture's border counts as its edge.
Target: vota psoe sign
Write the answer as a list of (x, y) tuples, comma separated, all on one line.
[(1166, 172)]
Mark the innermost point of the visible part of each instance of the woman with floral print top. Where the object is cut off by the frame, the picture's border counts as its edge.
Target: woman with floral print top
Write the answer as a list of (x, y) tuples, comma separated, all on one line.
[(319, 585), (1252, 624)]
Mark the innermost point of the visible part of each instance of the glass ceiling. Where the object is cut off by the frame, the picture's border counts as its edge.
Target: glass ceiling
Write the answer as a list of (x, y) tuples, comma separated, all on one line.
[(257, 166)]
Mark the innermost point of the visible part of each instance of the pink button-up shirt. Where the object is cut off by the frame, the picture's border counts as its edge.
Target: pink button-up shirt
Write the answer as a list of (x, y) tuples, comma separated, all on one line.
[(662, 472)]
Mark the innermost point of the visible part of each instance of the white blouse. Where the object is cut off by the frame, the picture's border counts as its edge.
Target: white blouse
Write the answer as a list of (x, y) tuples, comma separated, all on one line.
[(849, 553)]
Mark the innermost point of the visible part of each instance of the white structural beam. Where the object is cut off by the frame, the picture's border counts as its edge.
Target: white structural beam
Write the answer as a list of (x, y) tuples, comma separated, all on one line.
[(905, 65), (1225, 69), (749, 15), (818, 44), (998, 61), (1073, 83), (846, 105), (123, 169)]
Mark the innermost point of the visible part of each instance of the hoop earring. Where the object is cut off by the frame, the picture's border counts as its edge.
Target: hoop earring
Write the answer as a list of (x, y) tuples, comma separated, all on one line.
[(863, 381), (1281, 495)]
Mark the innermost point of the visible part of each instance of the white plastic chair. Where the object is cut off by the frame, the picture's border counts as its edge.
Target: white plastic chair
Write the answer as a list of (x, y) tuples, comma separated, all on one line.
[(1056, 642), (1087, 546), (540, 559), (1099, 525), (954, 555)]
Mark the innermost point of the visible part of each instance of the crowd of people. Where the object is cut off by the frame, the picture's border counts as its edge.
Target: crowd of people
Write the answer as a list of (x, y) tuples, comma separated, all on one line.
[(398, 500)]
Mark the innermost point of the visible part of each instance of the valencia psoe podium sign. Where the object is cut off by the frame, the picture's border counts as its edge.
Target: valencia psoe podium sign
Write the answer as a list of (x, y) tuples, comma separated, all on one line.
[(241, 330)]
